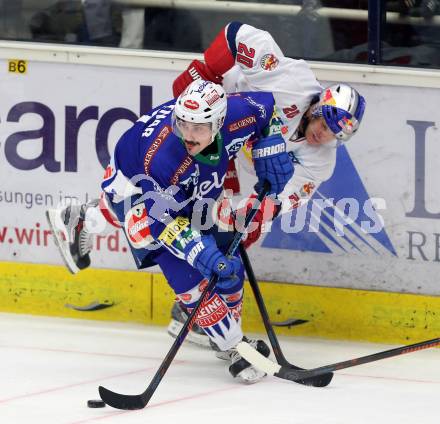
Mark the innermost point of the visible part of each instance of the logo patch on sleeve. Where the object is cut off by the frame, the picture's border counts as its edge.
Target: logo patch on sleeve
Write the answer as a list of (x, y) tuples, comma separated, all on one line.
[(164, 133), (174, 229), (242, 123), (187, 162), (136, 227), (269, 62)]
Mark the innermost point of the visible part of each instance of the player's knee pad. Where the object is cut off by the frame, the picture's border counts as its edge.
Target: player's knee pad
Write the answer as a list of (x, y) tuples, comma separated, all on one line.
[(233, 297), (234, 301)]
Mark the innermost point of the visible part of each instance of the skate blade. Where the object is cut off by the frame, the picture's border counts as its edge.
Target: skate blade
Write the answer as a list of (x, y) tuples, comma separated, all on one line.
[(174, 329), (250, 375)]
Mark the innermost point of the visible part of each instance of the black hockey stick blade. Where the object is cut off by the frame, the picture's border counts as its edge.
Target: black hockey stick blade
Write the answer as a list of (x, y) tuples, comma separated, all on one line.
[(291, 373), (120, 401), (321, 380), (131, 402), (318, 381)]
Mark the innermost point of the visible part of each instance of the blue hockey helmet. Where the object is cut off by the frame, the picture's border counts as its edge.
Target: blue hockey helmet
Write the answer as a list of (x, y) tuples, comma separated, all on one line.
[(342, 107)]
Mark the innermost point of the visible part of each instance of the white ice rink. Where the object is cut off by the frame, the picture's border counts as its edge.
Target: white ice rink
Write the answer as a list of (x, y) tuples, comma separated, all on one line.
[(50, 367)]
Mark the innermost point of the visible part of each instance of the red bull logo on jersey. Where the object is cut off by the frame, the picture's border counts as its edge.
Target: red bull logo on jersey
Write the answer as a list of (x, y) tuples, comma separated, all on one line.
[(269, 62), (307, 189), (191, 104)]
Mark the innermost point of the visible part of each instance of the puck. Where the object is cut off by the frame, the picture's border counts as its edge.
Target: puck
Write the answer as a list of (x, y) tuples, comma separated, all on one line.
[(95, 403)]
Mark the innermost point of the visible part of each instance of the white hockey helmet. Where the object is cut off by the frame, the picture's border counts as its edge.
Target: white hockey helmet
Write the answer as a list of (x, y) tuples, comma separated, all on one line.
[(342, 107), (202, 102)]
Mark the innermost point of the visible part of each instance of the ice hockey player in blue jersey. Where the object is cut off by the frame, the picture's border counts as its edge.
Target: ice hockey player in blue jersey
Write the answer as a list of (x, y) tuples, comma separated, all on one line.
[(163, 187), (316, 119)]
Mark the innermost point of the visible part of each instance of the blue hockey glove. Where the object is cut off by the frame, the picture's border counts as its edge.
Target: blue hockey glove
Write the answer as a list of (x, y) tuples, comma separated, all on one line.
[(232, 280), (272, 163), (203, 254)]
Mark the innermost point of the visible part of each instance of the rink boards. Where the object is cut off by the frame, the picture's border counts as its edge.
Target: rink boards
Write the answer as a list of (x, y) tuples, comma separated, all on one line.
[(345, 314), (359, 262)]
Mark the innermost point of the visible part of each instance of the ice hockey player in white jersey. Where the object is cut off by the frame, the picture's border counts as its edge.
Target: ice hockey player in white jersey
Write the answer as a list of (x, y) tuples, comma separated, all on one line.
[(244, 58), (316, 119)]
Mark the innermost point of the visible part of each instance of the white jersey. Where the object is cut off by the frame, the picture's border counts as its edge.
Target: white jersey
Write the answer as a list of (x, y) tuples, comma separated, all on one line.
[(260, 65)]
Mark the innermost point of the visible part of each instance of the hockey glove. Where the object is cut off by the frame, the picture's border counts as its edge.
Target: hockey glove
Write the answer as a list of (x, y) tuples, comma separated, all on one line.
[(204, 255), (196, 70), (272, 163)]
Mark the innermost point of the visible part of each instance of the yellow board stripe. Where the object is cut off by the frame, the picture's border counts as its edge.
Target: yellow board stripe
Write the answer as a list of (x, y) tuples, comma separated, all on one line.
[(45, 290), (143, 297)]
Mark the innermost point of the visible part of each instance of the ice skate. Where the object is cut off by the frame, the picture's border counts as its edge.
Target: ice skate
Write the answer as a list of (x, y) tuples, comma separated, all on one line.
[(178, 318), (242, 369), (73, 241)]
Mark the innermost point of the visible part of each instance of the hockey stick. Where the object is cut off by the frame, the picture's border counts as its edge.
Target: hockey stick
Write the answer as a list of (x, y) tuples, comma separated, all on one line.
[(318, 381), (288, 373), (129, 402)]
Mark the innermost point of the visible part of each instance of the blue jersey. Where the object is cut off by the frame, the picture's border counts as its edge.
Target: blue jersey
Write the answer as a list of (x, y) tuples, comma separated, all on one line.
[(173, 183)]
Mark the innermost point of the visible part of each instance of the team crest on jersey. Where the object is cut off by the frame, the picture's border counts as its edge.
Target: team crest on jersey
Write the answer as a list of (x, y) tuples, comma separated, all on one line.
[(136, 227), (269, 62), (307, 189), (299, 198)]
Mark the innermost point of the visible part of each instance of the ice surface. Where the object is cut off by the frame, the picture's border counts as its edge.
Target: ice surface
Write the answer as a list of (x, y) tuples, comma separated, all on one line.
[(50, 367)]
